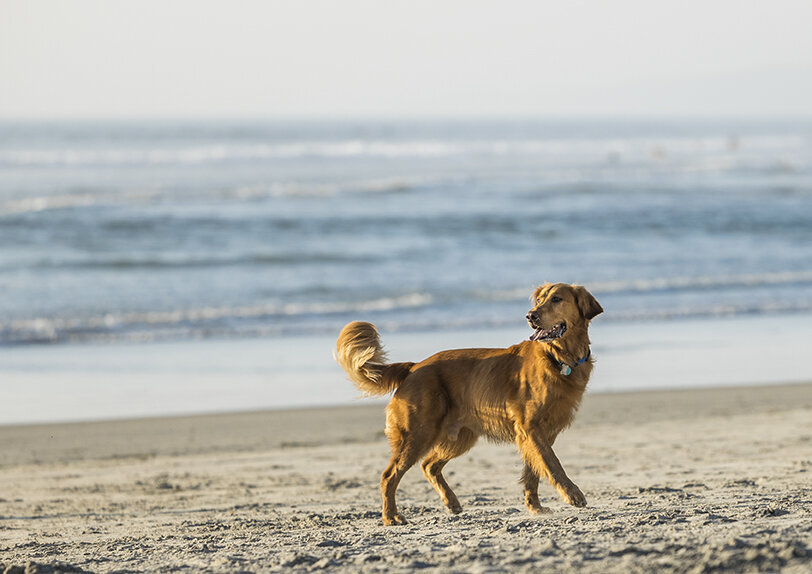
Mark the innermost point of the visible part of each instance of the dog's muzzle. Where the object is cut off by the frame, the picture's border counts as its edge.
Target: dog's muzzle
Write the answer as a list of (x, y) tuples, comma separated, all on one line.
[(541, 334)]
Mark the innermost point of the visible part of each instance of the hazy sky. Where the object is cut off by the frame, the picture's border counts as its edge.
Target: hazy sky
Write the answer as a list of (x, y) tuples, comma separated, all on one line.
[(361, 58)]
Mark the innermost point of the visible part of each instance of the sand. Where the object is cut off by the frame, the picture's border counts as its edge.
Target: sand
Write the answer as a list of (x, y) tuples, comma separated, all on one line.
[(679, 481)]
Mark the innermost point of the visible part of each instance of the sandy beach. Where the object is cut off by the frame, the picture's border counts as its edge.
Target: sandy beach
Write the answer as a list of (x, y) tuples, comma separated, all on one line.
[(677, 481)]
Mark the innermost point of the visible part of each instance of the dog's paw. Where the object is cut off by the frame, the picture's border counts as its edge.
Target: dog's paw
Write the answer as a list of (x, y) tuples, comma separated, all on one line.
[(394, 520), (574, 496), (454, 508), (538, 509)]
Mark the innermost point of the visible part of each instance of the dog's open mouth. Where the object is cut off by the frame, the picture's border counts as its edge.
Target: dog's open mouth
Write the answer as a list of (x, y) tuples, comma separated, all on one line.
[(550, 334)]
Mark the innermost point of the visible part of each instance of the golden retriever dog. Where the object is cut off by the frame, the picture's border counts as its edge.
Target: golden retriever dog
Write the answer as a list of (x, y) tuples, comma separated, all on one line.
[(527, 393)]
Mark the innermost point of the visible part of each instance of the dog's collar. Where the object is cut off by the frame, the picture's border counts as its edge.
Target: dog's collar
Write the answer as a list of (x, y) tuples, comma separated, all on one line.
[(566, 369)]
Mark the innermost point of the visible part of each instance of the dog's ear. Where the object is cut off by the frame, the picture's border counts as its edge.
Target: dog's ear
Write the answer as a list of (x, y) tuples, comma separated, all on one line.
[(587, 303)]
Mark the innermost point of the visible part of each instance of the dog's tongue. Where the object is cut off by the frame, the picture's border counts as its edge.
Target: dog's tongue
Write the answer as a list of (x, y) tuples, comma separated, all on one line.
[(550, 334)]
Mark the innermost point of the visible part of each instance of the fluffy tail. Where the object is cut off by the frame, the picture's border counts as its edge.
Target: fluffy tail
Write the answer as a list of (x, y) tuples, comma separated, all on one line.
[(360, 354)]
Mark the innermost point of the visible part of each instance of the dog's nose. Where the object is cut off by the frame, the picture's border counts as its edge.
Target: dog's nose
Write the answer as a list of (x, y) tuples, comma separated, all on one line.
[(532, 316)]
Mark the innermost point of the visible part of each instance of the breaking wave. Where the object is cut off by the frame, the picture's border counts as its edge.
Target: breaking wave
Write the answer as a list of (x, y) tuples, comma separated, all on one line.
[(675, 284), (613, 148), (199, 322), (418, 311)]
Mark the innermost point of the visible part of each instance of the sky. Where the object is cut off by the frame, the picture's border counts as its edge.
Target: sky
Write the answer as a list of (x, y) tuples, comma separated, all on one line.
[(98, 59)]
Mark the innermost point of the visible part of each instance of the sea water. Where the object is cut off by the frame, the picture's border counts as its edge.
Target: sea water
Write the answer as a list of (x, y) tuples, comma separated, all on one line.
[(195, 234)]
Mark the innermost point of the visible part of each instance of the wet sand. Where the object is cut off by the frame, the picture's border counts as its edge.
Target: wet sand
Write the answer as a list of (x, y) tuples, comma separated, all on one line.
[(677, 481)]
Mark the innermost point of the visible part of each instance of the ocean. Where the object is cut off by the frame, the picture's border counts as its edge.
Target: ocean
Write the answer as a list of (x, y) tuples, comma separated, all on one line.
[(119, 234)]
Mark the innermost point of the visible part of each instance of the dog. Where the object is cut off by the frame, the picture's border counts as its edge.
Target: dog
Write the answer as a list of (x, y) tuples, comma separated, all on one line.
[(527, 394)]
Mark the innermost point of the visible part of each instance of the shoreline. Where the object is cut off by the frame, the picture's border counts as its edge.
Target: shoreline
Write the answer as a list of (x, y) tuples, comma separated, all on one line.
[(124, 381), (336, 424)]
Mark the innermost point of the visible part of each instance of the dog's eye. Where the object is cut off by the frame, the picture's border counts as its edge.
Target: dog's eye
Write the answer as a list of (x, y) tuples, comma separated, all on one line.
[(555, 299)]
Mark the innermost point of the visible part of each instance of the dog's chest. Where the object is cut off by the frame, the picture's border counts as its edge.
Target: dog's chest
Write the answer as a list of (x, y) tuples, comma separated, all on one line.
[(557, 415), (552, 406)]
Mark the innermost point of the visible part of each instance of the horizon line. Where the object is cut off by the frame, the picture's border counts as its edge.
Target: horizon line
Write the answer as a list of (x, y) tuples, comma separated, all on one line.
[(393, 118)]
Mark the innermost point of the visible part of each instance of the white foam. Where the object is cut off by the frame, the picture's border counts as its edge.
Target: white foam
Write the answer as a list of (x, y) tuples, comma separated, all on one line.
[(654, 149), (128, 326), (702, 282), (671, 284), (275, 189), (72, 200)]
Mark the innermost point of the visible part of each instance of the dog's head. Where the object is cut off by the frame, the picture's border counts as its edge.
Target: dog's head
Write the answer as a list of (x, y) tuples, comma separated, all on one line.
[(557, 307)]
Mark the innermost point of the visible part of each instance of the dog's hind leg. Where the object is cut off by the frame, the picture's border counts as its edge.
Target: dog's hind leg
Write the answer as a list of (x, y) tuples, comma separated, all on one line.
[(410, 439), (530, 480), (438, 457), (398, 465)]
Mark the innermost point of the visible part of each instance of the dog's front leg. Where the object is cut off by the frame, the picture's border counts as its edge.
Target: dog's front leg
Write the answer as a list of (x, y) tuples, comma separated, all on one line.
[(541, 459)]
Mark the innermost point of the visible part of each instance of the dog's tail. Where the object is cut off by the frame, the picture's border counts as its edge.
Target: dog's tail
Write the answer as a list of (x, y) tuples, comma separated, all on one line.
[(359, 352)]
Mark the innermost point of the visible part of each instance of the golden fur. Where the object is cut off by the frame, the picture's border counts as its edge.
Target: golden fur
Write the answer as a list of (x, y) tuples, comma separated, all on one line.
[(444, 403)]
